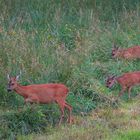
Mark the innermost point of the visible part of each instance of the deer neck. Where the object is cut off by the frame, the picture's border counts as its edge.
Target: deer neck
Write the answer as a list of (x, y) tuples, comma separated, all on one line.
[(117, 79), (121, 53), (21, 90)]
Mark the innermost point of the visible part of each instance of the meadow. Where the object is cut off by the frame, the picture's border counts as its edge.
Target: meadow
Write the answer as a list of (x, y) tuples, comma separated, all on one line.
[(69, 42)]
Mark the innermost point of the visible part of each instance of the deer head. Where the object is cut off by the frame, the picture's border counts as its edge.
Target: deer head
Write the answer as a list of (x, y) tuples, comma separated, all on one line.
[(12, 82), (110, 81), (115, 51)]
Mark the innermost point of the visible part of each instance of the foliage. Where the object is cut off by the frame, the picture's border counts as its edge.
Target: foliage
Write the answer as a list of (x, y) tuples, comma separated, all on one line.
[(21, 121)]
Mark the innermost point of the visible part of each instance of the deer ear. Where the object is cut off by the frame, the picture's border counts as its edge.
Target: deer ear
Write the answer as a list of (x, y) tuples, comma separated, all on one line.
[(118, 48), (107, 77), (8, 76), (113, 76), (17, 77), (115, 47)]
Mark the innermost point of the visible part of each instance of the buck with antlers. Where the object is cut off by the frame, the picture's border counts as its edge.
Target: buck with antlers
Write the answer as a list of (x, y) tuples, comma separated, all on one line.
[(126, 81), (128, 53), (43, 94)]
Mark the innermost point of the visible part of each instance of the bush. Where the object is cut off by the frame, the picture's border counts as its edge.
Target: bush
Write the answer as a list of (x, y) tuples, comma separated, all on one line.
[(23, 122)]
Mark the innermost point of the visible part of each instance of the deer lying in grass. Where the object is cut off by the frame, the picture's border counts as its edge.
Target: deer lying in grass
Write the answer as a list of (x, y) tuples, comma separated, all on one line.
[(42, 93), (126, 81), (128, 53)]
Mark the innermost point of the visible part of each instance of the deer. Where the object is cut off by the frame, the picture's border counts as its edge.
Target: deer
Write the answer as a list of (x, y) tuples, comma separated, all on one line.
[(126, 81), (128, 53), (42, 94)]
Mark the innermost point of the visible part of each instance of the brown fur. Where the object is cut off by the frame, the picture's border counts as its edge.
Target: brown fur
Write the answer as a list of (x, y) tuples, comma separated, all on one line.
[(128, 53)]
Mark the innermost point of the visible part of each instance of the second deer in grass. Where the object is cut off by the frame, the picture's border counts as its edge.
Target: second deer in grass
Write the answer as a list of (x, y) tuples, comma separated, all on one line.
[(128, 53), (42, 93), (126, 81)]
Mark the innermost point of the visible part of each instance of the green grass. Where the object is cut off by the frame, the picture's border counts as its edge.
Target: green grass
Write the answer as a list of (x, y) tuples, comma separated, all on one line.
[(65, 42), (102, 124), (130, 135)]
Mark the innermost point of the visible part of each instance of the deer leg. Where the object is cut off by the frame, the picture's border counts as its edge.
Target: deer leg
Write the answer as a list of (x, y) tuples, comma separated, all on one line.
[(27, 100), (31, 102), (62, 114), (61, 105), (122, 91), (129, 92), (69, 107)]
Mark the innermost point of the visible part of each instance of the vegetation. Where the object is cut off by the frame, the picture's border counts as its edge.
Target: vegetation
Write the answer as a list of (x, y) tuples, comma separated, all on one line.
[(107, 124), (67, 41)]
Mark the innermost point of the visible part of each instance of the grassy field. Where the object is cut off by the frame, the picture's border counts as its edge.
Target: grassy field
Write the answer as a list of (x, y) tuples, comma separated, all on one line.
[(70, 42), (122, 123)]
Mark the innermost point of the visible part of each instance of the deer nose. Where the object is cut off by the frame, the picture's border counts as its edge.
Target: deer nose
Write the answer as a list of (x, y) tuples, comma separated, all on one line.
[(8, 89), (113, 56), (107, 86)]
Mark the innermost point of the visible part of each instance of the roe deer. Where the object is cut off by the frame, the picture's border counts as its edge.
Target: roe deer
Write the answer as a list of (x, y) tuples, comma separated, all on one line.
[(42, 93), (126, 81), (128, 53)]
